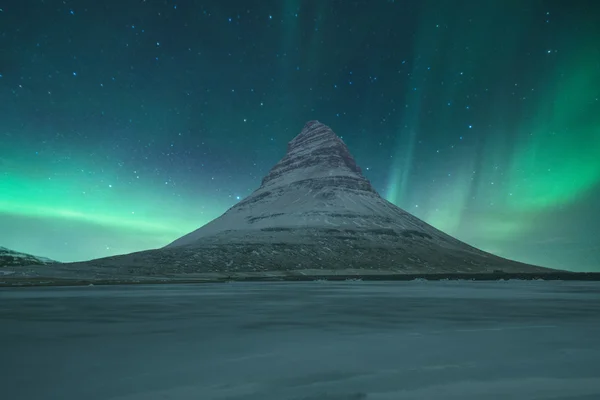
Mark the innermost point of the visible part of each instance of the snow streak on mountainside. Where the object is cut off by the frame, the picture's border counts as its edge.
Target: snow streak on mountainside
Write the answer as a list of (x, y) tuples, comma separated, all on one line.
[(10, 258)]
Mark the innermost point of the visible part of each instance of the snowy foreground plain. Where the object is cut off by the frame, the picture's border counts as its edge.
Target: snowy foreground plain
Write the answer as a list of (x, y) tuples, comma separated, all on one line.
[(303, 341)]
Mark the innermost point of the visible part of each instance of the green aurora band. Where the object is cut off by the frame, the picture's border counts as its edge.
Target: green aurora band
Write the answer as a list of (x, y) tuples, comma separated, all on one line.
[(548, 161)]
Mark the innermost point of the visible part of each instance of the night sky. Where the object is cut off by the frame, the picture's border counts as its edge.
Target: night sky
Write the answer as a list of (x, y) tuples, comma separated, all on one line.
[(125, 124)]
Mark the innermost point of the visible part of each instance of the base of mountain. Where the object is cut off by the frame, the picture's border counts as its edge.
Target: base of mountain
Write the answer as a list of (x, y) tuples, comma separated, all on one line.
[(293, 276)]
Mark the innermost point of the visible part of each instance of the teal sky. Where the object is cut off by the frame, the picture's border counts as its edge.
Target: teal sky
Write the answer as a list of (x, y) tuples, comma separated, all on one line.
[(125, 126)]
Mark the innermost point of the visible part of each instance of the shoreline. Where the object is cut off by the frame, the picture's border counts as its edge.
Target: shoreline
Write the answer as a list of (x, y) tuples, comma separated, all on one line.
[(57, 282)]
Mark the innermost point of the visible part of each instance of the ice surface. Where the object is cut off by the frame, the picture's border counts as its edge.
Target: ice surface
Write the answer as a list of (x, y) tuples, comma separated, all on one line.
[(307, 341)]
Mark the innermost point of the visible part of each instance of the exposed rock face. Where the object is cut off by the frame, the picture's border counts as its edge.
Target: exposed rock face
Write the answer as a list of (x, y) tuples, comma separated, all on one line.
[(317, 154), (314, 211)]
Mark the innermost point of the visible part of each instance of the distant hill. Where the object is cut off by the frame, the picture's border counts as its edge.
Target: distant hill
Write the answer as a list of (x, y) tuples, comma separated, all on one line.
[(11, 258)]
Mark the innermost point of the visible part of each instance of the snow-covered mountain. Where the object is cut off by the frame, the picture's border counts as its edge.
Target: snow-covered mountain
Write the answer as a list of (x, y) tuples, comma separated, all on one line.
[(314, 211), (317, 185), (10, 258)]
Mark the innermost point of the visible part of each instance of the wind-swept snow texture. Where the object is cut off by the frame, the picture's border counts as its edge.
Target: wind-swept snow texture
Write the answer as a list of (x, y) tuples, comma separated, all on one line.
[(304, 341)]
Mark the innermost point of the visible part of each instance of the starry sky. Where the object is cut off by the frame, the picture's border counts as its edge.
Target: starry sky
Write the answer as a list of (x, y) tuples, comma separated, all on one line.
[(125, 124)]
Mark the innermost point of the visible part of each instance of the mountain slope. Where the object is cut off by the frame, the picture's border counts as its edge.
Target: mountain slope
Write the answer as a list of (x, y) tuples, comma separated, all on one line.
[(10, 258)]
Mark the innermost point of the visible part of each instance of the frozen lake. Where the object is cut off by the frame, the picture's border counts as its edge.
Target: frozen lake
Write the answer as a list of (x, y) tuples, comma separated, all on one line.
[(303, 341)]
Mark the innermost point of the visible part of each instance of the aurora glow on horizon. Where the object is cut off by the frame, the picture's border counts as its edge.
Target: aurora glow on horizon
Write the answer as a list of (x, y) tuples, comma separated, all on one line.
[(125, 127)]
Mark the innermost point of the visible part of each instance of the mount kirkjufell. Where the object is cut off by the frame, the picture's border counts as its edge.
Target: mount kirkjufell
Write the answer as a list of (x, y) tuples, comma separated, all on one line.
[(314, 213)]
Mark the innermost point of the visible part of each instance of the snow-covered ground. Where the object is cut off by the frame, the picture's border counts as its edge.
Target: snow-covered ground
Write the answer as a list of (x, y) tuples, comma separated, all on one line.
[(303, 341)]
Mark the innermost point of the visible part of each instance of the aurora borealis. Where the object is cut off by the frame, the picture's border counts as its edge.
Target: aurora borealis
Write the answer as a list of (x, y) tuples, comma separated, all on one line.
[(126, 124)]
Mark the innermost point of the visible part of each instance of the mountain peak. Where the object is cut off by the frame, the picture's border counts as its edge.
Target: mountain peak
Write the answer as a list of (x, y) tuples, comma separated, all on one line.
[(315, 153)]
